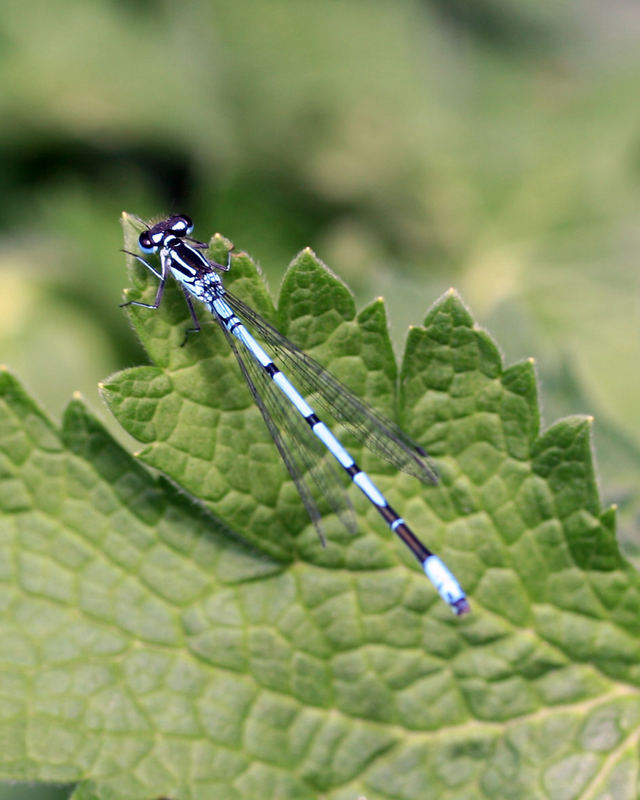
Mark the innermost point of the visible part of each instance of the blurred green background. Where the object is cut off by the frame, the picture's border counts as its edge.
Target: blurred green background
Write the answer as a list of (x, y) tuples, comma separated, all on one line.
[(493, 146)]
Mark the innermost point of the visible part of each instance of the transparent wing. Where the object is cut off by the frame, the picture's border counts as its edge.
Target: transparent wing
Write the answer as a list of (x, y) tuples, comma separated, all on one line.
[(308, 462), (368, 426)]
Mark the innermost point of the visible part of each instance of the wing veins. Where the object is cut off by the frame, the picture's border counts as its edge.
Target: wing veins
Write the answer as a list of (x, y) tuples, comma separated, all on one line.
[(303, 454), (371, 428)]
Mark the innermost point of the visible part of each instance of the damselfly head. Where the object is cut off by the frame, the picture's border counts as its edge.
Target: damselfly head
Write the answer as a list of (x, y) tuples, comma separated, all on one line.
[(153, 238)]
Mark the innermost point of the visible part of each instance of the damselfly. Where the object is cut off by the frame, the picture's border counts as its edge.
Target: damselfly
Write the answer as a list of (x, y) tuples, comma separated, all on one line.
[(291, 420)]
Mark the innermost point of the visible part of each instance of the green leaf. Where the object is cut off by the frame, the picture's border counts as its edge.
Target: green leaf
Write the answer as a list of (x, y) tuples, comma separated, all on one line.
[(155, 647)]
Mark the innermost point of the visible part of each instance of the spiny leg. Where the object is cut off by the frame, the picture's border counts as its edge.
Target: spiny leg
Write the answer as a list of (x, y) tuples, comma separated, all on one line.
[(159, 275), (229, 252), (162, 277), (192, 311)]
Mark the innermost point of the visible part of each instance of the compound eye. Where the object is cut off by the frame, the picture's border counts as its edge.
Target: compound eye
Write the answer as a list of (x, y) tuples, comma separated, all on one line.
[(145, 243), (181, 225)]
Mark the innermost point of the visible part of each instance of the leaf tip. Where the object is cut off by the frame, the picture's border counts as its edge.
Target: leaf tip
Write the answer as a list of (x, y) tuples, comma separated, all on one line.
[(218, 240)]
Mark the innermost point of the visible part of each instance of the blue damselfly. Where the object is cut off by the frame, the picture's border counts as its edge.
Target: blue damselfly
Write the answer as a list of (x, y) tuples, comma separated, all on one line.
[(291, 420)]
